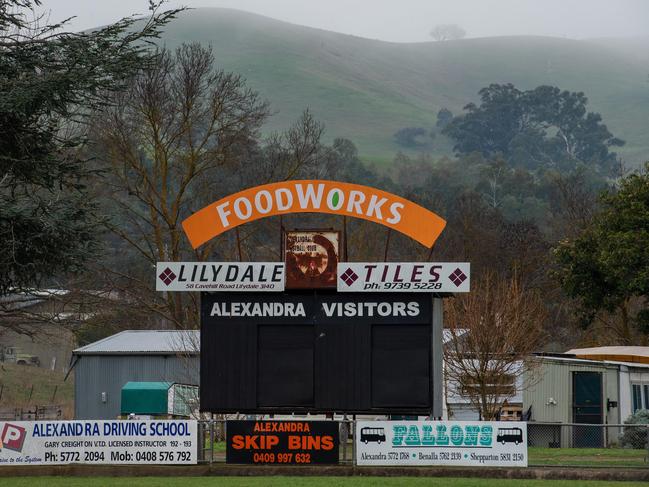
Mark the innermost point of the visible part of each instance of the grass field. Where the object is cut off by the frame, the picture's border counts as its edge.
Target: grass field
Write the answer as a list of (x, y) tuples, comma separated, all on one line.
[(298, 482), (585, 457), (588, 457), (366, 89), (24, 387)]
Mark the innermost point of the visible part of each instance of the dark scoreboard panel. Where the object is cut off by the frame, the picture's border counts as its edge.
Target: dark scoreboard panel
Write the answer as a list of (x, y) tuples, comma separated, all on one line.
[(308, 351)]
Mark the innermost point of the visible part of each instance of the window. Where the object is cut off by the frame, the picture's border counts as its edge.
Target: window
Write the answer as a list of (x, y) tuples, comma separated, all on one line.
[(640, 396), (499, 385), (637, 397)]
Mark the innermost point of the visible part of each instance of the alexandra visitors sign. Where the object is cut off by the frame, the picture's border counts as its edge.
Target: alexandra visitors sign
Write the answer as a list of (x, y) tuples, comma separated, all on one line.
[(460, 443), (314, 196), (323, 308)]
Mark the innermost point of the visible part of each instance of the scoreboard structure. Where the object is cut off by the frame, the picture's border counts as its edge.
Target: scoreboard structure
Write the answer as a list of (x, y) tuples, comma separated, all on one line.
[(320, 351), (318, 334)]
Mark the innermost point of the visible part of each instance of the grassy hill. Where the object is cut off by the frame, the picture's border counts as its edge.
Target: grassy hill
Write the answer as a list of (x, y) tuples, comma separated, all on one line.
[(366, 89)]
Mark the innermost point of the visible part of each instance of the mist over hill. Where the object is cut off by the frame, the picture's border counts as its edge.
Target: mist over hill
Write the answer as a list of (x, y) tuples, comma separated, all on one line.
[(366, 89)]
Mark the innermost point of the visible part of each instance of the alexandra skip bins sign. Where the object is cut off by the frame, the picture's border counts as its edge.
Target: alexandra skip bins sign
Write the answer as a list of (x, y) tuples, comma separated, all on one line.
[(441, 277), (460, 443), (220, 276), (282, 442), (98, 442)]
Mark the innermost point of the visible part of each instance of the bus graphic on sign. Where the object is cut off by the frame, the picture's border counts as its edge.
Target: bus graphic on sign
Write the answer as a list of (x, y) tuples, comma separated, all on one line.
[(375, 435), (510, 435)]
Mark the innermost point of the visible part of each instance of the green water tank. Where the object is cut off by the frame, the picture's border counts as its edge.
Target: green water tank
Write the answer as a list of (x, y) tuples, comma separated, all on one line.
[(145, 397)]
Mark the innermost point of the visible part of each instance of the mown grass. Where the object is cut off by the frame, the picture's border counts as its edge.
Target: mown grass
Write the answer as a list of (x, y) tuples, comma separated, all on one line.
[(298, 482), (594, 457), (585, 457)]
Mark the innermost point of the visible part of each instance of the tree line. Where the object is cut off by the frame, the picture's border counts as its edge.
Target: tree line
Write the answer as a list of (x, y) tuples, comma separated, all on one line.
[(109, 143)]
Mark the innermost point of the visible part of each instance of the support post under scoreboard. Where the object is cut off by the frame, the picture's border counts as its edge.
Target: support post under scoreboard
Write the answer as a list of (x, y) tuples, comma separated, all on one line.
[(438, 359)]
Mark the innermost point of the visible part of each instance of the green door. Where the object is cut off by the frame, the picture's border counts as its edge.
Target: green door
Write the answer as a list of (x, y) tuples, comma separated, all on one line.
[(587, 408)]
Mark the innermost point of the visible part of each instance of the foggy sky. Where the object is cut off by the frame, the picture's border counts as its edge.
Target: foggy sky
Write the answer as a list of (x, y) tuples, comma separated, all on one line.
[(406, 20)]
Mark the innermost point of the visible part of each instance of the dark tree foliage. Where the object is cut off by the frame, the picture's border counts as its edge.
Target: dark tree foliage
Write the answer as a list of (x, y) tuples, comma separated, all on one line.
[(49, 81), (606, 267), (540, 128), (410, 136), (444, 117)]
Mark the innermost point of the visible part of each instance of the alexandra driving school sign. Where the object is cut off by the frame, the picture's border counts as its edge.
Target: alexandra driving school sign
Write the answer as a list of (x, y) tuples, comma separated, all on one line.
[(98, 442), (314, 196), (442, 277), (461, 443), (219, 276)]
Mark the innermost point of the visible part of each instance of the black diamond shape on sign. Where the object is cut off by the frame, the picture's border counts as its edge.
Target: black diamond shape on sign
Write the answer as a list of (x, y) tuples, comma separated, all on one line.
[(457, 277), (167, 276), (349, 277)]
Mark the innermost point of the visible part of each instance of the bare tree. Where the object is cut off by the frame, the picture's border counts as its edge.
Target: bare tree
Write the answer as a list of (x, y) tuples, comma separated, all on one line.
[(447, 32), (493, 330), (182, 135), (175, 125), (494, 173)]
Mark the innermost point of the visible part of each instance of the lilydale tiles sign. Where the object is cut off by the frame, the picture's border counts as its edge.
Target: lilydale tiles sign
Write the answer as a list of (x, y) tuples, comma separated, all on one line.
[(314, 196), (219, 276)]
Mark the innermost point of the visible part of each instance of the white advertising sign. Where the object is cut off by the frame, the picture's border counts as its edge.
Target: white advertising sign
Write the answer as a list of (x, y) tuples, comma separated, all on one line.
[(219, 276), (441, 277), (98, 442), (462, 443)]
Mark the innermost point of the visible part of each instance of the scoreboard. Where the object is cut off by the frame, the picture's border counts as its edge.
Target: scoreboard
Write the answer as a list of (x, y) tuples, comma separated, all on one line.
[(316, 351)]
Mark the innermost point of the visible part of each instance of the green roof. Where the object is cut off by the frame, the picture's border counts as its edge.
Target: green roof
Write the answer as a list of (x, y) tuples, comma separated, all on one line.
[(145, 397)]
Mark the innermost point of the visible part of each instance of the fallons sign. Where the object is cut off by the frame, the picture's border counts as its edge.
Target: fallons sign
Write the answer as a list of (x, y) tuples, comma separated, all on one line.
[(457, 443), (314, 196)]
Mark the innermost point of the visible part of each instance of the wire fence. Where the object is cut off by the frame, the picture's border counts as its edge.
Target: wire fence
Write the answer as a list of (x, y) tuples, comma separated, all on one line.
[(34, 413), (549, 444)]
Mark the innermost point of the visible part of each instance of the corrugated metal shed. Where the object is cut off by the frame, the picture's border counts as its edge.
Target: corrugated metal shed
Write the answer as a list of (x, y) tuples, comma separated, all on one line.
[(145, 342), (102, 368), (551, 394)]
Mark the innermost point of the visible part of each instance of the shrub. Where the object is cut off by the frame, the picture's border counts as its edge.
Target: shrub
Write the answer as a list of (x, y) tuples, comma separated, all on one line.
[(636, 437)]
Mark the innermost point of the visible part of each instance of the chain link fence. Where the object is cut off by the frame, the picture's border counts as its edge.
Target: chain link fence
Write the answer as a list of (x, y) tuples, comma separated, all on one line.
[(549, 444), (574, 435), (567, 444)]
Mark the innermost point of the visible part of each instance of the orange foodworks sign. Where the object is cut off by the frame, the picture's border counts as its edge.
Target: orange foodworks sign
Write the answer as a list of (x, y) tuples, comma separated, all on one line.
[(314, 196)]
